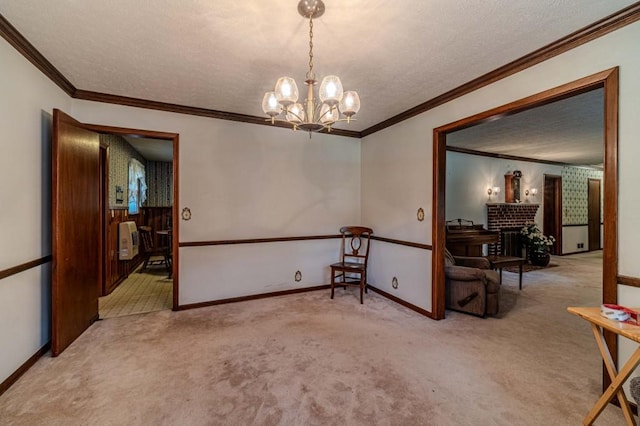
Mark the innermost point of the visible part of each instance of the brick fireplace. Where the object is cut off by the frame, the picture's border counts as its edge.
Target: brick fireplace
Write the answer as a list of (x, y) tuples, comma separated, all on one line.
[(508, 218)]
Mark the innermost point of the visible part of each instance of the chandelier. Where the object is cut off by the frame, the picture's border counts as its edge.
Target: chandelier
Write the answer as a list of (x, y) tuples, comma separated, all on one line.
[(335, 105)]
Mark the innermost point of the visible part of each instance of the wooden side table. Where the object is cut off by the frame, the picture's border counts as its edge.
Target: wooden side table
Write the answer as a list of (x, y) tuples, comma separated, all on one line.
[(630, 331), (499, 262)]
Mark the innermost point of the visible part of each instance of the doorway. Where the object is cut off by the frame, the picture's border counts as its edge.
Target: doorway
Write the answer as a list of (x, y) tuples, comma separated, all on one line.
[(78, 194), (608, 80), (138, 190), (552, 211)]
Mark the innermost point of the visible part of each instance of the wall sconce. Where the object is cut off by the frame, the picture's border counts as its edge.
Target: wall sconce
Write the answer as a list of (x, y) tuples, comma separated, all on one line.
[(532, 191), (493, 191)]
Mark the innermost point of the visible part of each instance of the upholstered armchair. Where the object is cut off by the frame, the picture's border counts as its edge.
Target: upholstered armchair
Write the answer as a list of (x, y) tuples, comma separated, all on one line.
[(471, 287)]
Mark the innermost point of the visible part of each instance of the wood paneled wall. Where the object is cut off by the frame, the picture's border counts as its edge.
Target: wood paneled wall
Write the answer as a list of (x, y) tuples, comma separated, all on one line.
[(158, 218), (115, 270)]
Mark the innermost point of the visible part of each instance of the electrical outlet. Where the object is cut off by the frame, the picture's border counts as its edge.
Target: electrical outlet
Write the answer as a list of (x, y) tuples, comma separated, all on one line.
[(580, 245), (298, 276)]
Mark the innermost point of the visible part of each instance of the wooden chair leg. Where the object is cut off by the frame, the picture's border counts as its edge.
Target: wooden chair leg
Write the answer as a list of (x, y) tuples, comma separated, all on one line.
[(366, 290), (361, 289), (333, 280)]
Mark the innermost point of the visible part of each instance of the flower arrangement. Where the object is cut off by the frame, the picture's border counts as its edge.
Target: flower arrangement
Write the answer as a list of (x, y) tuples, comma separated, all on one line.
[(535, 240)]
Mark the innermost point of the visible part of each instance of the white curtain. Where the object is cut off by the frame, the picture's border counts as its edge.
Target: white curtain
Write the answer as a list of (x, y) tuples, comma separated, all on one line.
[(137, 173)]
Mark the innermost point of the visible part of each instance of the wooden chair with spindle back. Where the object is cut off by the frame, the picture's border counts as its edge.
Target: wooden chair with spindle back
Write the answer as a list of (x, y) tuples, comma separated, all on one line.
[(150, 250), (352, 268)]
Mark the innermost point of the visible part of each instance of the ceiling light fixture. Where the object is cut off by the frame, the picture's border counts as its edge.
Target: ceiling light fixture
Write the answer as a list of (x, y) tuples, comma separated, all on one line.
[(335, 104)]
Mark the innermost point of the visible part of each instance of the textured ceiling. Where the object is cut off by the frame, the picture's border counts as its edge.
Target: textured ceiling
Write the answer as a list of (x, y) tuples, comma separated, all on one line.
[(152, 149), (225, 54), (568, 131)]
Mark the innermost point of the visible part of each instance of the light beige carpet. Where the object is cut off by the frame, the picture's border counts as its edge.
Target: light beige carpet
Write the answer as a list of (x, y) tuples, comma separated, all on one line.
[(308, 360)]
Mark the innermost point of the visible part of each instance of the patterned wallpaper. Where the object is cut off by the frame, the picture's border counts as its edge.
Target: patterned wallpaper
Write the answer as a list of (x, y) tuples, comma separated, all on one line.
[(120, 152), (159, 184), (574, 194)]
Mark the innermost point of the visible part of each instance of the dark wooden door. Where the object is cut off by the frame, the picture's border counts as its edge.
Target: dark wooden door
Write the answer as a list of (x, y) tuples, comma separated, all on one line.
[(594, 219), (76, 230), (552, 211)]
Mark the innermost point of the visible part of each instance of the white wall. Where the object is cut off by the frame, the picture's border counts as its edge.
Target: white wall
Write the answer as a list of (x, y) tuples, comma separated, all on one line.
[(574, 235), (26, 104), (244, 181), (239, 180), (469, 176), (396, 182), (246, 269), (397, 161)]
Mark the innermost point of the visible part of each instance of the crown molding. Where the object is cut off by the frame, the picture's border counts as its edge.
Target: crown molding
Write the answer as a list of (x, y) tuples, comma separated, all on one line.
[(22, 45), (183, 109), (506, 156), (604, 26), (598, 29)]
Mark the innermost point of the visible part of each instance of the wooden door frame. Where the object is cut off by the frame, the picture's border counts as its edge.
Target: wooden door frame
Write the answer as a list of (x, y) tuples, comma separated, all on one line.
[(599, 213), (557, 232), (608, 80), (104, 214), (175, 139)]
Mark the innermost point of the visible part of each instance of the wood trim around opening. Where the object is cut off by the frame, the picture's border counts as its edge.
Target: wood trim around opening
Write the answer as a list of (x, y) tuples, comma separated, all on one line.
[(608, 80), (175, 223), (630, 281), (557, 212), (24, 266), (175, 139)]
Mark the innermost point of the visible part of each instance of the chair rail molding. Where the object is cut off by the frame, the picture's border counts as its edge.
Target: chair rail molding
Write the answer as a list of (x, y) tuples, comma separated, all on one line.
[(5, 273)]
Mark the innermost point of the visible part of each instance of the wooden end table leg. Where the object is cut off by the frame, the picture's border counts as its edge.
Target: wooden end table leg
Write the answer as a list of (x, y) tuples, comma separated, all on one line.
[(520, 276), (617, 380)]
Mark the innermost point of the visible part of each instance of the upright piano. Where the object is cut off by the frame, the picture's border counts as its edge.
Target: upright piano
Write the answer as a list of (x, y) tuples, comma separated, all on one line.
[(464, 238)]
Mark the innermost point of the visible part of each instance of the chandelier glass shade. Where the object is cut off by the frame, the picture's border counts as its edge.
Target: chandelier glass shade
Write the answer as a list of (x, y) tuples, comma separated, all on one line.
[(333, 104)]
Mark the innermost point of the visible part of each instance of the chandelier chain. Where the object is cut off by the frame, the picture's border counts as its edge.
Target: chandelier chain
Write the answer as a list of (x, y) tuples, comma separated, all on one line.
[(310, 74)]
